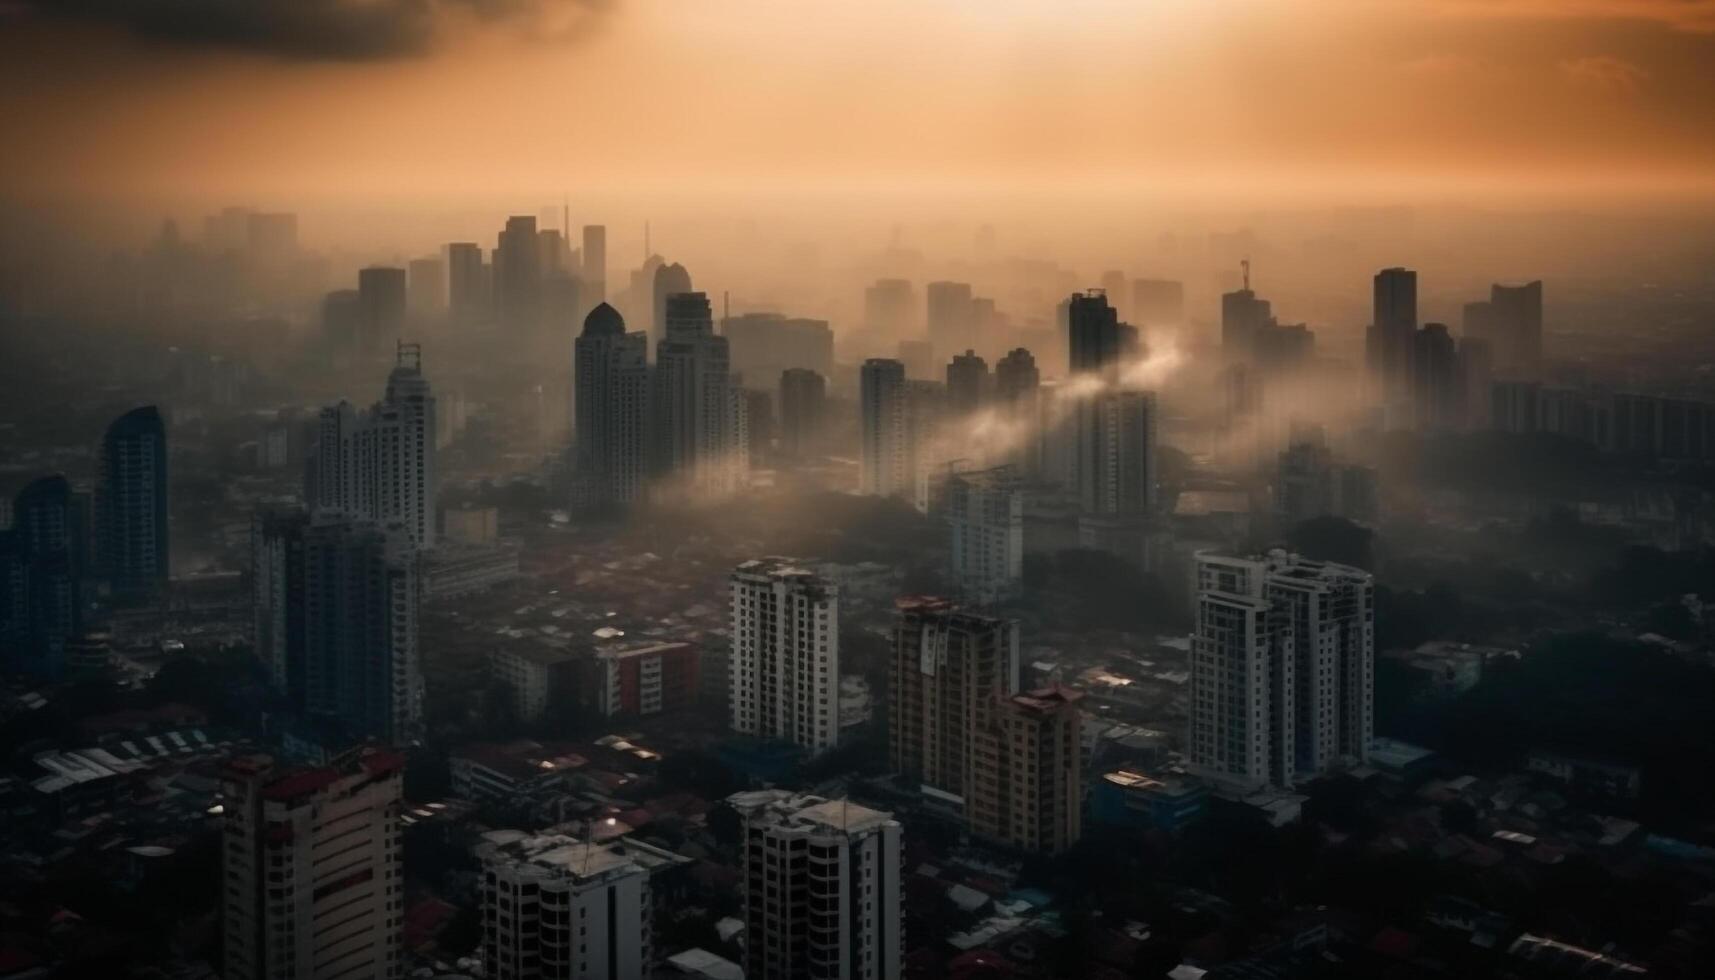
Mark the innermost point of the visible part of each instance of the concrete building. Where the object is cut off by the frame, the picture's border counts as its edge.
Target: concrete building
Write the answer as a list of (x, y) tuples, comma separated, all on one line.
[(1310, 482), (610, 412), (381, 299), (518, 282), (949, 668), (668, 280), (312, 866), (697, 443), (558, 908), (1437, 399), (594, 254), (951, 317), (888, 467), (379, 465), (1116, 452), (765, 344), (471, 524), (428, 286), (823, 892), (1127, 798), (1027, 789), (785, 665), (467, 284), (41, 568), (131, 504), (462, 569), (985, 519), (803, 413), (1282, 669), (648, 678), (968, 384), (536, 675)]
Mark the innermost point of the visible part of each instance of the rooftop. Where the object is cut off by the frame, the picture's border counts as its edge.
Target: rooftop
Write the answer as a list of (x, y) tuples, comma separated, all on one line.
[(555, 855), (783, 809)]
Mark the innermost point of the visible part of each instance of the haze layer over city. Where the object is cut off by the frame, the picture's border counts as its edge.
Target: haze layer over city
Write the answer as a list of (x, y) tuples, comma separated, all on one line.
[(645, 489)]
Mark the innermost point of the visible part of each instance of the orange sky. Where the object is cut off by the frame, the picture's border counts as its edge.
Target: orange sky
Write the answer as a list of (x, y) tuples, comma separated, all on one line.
[(698, 96)]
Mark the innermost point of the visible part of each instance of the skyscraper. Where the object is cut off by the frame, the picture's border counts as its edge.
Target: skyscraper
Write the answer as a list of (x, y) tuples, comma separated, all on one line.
[(785, 667), (1095, 336), (985, 519), (379, 464), (1027, 787), (312, 863), (696, 422), (278, 540), (950, 317), (595, 263), (1017, 394), (558, 908), (1282, 669), (517, 280), (889, 310), (1435, 381), (1244, 315), (467, 283), (381, 294), (131, 504), (360, 596), (669, 280), (888, 468), (1390, 344), (823, 891), (803, 412), (611, 413), (1116, 452), (40, 579), (1515, 329), (764, 344), (967, 384), (949, 669)]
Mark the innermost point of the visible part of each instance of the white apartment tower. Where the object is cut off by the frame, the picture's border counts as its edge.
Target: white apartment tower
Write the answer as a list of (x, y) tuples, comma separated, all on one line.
[(822, 889), (558, 908), (1282, 669), (784, 673), (379, 464), (985, 517), (888, 468), (314, 889)]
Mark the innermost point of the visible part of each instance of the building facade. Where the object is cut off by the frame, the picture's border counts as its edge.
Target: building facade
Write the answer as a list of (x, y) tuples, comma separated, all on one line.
[(785, 665), (949, 667), (558, 908), (985, 518), (131, 504)]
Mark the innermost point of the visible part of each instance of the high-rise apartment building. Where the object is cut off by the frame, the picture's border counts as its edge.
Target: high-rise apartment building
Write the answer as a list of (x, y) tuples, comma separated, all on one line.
[(1437, 398), (467, 284), (558, 908), (985, 519), (949, 669), (381, 298), (1244, 315), (131, 504), (822, 895), (765, 344), (784, 672), (669, 280), (1018, 400), (888, 309), (888, 466), (1097, 340), (1282, 669), (1390, 343), (1512, 323), (803, 412), (968, 384), (951, 317), (428, 285), (379, 465), (1116, 452), (313, 883), (1026, 787), (610, 413), (40, 579), (517, 278)]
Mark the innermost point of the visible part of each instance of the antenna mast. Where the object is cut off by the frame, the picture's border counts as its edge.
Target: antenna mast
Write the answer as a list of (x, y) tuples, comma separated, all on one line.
[(1245, 264)]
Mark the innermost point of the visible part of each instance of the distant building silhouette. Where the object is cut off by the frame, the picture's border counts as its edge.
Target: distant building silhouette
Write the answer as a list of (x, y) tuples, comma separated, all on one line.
[(803, 413), (968, 384), (594, 276), (951, 326), (888, 469), (467, 284), (669, 280), (131, 504), (40, 580), (381, 292), (611, 412)]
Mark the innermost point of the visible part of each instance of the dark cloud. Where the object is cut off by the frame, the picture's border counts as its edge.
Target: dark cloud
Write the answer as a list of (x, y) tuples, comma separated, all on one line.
[(319, 30)]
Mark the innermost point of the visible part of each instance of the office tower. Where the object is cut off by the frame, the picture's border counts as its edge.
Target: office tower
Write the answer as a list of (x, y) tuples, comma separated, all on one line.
[(1476, 379), (595, 263), (1515, 329), (518, 279), (467, 283), (278, 541), (785, 667), (1095, 336), (1157, 303), (1116, 452), (40, 580), (669, 280), (360, 600), (950, 326), (967, 384), (555, 253), (985, 517), (312, 867), (610, 416), (765, 344), (696, 438), (558, 908), (823, 893), (1282, 669), (888, 468), (1390, 343), (889, 309), (381, 294), (949, 669), (803, 412), (428, 285), (1027, 786), (1435, 380), (1243, 316), (379, 464), (131, 504)]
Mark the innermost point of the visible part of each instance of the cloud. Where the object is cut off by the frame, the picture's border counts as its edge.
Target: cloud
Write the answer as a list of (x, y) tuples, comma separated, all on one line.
[(321, 30), (1686, 15), (1605, 73)]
